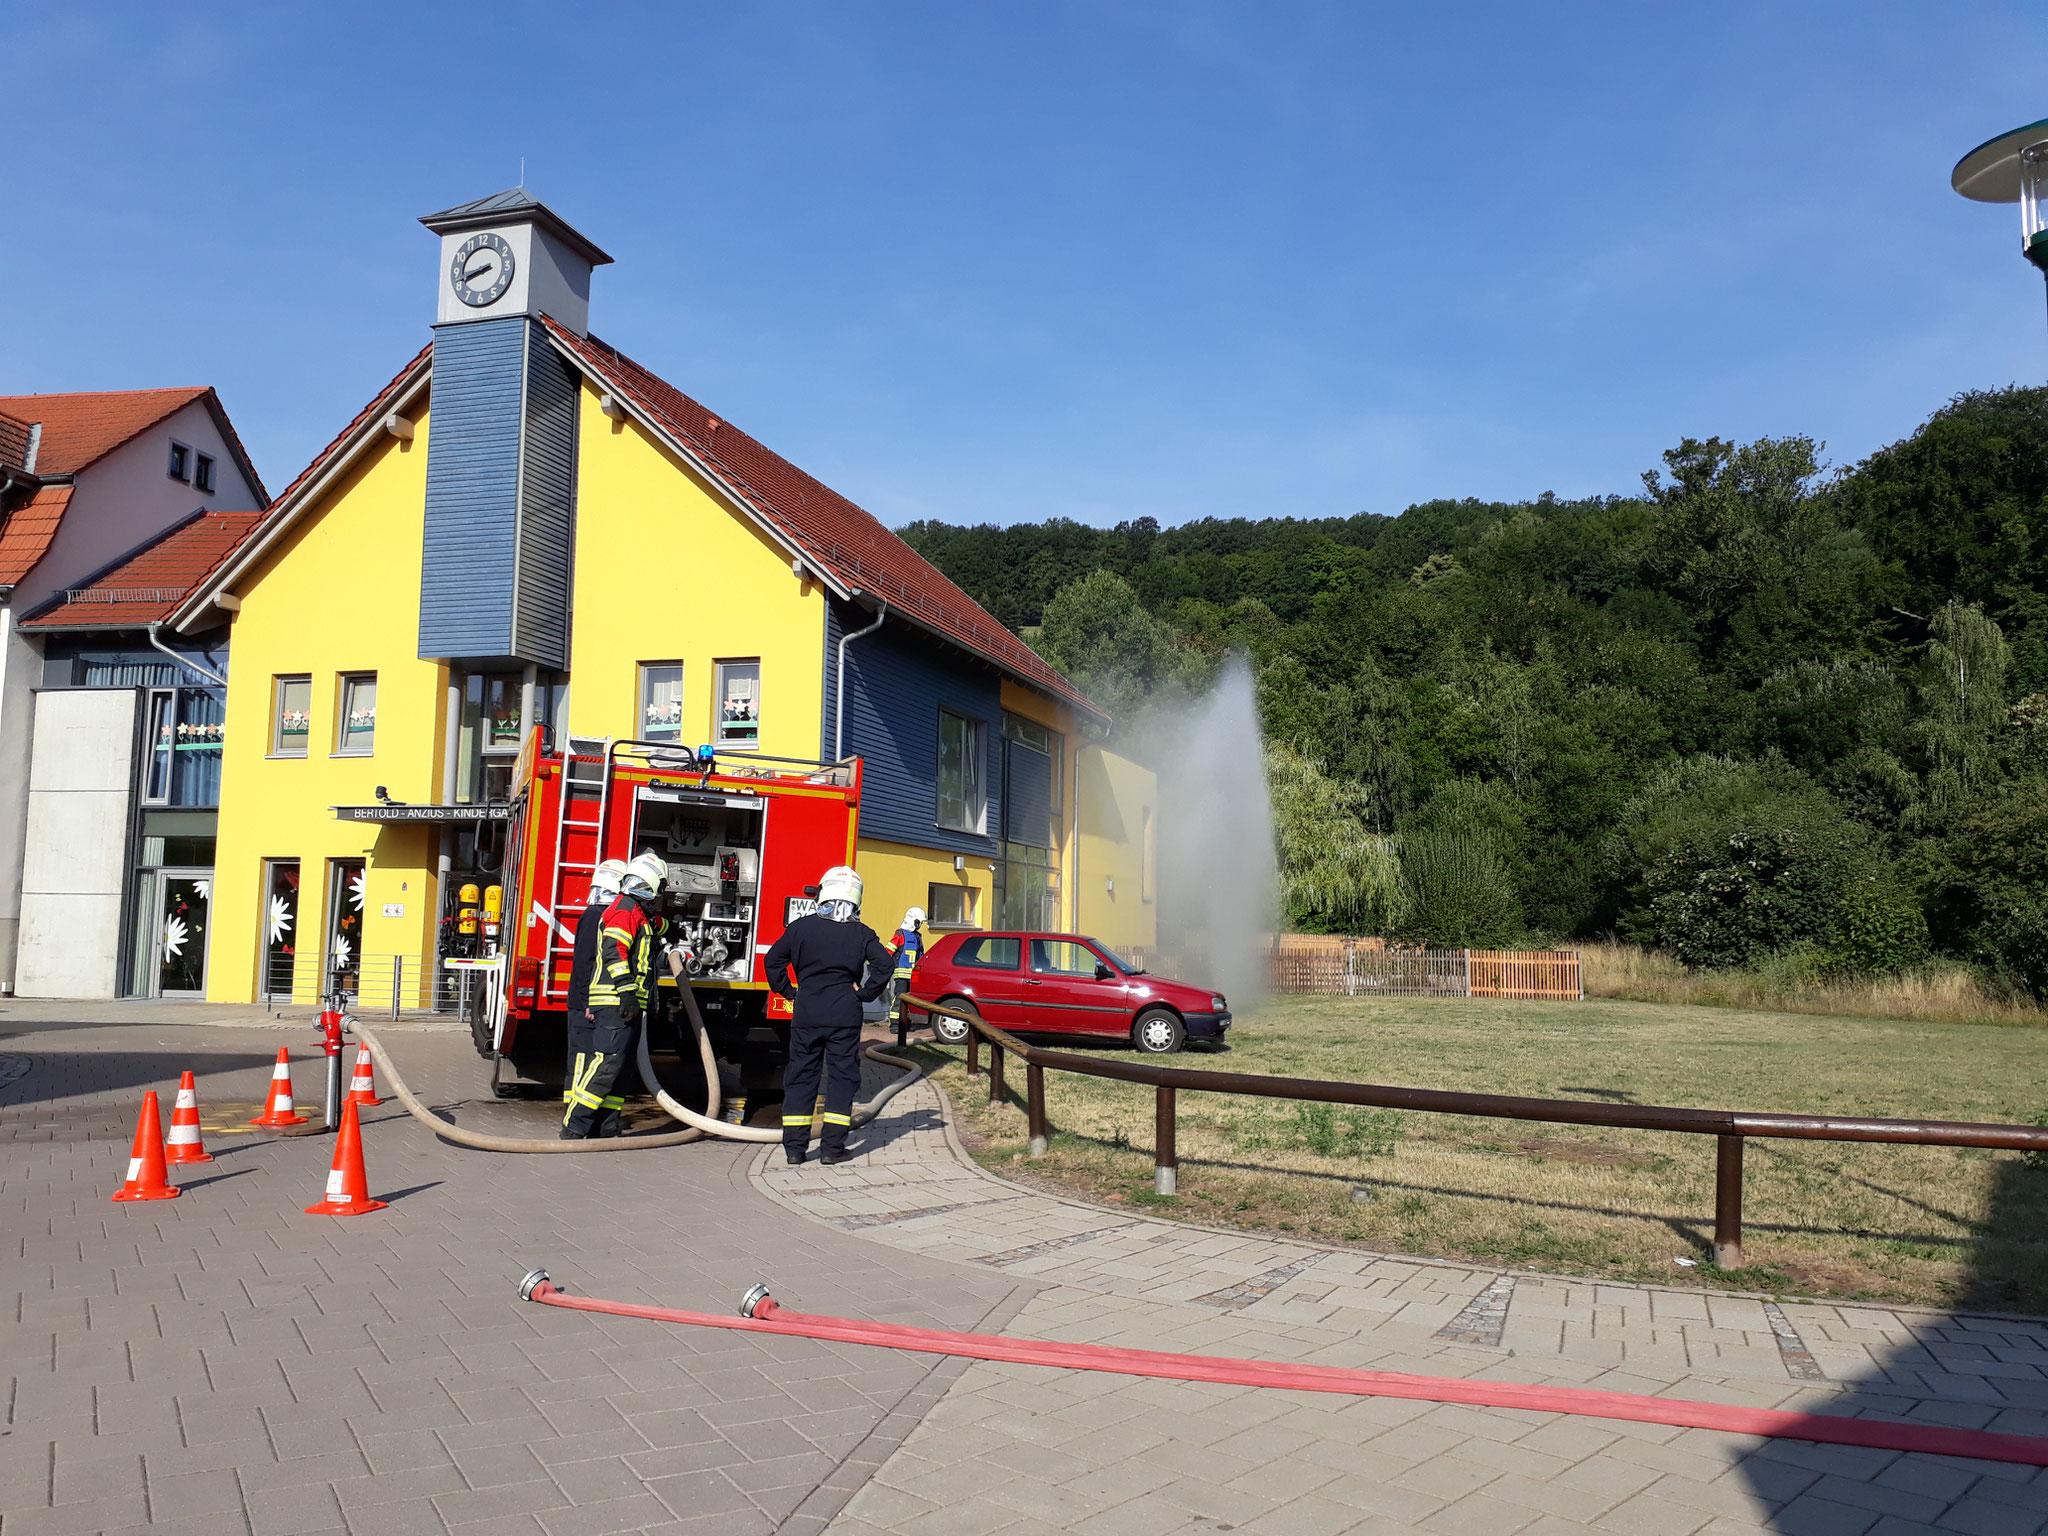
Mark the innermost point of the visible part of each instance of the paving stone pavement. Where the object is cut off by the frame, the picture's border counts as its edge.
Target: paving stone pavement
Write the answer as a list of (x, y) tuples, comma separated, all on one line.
[(224, 1363), (1019, 1449)]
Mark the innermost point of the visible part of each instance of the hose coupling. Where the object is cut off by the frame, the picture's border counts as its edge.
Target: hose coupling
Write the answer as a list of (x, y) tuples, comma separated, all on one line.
[(753, 1299), (534, 1278)]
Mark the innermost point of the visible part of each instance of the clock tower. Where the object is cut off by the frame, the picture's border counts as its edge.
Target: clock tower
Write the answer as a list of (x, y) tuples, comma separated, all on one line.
[(501, 457)]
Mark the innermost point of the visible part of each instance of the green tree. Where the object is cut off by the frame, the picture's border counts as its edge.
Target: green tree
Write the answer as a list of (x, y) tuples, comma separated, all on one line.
[(1337, 875), (1097, 633)]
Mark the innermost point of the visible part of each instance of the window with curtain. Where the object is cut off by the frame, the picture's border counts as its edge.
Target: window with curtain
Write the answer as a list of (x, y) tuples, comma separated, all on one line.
[(739, 704), (661, 700), (357, 725), (293, 716), (962, 798)]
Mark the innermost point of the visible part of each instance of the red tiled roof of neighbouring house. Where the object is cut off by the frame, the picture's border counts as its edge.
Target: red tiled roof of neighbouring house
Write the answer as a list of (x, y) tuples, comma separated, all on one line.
[(146, 586), (14, 441), (843, 539), (82, 427), (26, 532)]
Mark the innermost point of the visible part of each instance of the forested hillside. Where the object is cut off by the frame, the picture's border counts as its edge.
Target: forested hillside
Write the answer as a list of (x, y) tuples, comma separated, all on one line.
[(1756, 708)]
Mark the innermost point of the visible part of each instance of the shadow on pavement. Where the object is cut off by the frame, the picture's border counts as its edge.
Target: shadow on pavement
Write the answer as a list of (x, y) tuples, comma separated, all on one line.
[(1967, 1368), (56, 1075)]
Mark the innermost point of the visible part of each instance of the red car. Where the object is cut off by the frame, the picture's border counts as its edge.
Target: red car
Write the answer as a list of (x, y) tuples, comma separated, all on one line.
[(1064, 984)]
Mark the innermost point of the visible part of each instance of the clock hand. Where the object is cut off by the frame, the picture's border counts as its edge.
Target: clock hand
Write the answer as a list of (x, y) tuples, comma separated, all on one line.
[(476, 272)]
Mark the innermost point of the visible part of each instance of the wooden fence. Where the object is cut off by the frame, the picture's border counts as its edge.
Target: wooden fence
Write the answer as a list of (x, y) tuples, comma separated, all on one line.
[(1333, 966)]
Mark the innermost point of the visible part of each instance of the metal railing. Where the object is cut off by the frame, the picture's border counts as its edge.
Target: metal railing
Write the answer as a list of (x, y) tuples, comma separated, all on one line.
[(378, 986), (1730, 1127)]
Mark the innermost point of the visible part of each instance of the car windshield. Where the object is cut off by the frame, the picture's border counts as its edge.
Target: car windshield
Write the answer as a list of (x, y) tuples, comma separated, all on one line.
[(1116, 959)]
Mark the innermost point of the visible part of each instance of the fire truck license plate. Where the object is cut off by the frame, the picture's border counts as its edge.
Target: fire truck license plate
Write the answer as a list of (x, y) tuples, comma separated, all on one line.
[(796, 907)]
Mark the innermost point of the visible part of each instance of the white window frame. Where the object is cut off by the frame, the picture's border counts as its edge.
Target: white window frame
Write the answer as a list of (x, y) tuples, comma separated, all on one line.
[(720, 670), (644, 699), (278, 683), (344, 696)]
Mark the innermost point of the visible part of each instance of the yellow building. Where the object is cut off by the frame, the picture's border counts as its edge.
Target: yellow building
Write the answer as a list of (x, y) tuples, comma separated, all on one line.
[(526, 528)]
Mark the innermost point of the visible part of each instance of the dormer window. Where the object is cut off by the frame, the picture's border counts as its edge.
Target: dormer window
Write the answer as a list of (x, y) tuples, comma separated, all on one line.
[(202, 473), (181, 462)]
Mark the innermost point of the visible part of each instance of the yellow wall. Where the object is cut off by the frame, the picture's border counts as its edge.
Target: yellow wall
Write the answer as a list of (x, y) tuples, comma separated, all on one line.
[(1111, 888), (664, 573), (341, 593), (896, 876)]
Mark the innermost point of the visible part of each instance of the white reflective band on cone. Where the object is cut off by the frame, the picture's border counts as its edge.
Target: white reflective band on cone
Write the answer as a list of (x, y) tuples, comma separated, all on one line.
[(188, 1098), (134, 1169), (184, 1133), (334, 1184)]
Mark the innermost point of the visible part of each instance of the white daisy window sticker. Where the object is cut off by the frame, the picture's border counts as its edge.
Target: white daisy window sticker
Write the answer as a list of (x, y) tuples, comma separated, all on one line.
[(280, 919), (355, 889), (341, 953), (175, 934), (203, 889)]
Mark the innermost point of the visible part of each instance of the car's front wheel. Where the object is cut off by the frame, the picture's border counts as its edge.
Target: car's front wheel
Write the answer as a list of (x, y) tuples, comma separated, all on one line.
[(949, 1029), (1158, 1032)]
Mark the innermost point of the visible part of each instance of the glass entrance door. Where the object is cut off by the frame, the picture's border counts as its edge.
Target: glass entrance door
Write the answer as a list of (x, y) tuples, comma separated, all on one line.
[(176, 903)]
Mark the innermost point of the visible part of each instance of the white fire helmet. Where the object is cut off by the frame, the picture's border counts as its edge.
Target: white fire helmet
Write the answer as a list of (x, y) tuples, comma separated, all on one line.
[(839, 893), (913, 918), (644, 876), (604, 880)]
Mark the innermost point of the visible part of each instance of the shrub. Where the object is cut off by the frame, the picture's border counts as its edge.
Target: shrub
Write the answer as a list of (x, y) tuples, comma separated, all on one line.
[(1457, 892)]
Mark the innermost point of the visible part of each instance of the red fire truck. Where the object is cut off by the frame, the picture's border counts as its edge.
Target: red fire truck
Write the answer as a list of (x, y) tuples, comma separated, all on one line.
[(745, 837)]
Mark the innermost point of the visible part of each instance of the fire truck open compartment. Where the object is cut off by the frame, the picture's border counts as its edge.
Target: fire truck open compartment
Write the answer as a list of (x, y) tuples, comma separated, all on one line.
[(744, 838)]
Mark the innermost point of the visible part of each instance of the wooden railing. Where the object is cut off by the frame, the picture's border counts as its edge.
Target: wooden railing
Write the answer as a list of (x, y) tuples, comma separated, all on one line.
[(1730, 1127)]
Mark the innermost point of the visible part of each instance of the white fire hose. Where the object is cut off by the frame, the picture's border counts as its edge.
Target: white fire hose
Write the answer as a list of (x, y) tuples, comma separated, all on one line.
[(698, 1125)]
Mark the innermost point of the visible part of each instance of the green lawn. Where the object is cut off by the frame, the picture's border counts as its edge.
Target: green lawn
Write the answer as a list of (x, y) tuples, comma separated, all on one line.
[(1952, 1227)]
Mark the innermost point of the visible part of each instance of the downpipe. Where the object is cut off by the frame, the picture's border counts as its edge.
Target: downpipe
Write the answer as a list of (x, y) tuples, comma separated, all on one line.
[(760, 1313)]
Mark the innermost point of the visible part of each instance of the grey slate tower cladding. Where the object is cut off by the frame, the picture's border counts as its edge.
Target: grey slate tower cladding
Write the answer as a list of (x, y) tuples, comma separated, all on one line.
[(500, 515)]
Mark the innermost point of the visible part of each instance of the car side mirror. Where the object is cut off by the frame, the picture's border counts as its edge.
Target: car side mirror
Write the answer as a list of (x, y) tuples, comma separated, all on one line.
[(1103, 972)]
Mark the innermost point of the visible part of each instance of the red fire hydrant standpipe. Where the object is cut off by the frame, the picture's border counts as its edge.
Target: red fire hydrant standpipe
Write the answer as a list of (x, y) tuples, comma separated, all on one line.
[(759, 1313)]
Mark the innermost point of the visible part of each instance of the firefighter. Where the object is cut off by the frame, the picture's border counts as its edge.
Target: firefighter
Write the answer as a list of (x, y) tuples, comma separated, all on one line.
[(621, 987), (604, 890), (908, 942), (839, 964)]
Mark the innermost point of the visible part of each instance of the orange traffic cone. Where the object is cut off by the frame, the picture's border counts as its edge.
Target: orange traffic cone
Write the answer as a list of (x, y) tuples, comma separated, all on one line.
[(362, 1088), (146, 1173), (280, 1110), (186, 1147), (348, 1184)]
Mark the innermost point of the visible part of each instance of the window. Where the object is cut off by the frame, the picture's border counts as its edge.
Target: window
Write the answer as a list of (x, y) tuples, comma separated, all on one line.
[(990, 954), (294, 706), (1062, 957), (739, 704), (163, 742), (280, 923), (962, 801), (181, 462), (1050, 742), (949, 906), (202, 474), (356, 721), (661, 700)]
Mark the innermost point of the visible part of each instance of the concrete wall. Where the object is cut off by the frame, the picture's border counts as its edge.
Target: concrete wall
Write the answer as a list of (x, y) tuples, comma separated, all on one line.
[(129, 495), (75, 859), (20, 671)]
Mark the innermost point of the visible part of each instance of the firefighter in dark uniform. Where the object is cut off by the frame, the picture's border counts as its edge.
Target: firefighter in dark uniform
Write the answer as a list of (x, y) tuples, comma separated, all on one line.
[(604, 890), (839, 964), (621, 989)]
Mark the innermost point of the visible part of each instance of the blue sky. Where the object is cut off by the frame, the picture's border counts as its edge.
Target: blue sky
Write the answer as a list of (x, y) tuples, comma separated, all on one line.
[(997, 261)]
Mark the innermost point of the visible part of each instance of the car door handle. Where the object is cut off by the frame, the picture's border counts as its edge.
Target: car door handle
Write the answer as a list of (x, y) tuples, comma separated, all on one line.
[(1032, 981)]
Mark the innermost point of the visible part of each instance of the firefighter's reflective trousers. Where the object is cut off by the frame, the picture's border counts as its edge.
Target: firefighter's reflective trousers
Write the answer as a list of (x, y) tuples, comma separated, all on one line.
[(594, 1109), (834, 1050)]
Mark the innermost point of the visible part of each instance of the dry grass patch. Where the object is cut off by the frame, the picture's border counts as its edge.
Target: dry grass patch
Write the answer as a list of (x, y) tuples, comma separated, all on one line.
[(1945, 1226)]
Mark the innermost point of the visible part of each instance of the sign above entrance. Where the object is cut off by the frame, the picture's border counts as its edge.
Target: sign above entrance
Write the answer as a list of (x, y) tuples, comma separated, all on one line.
[(441, 814)]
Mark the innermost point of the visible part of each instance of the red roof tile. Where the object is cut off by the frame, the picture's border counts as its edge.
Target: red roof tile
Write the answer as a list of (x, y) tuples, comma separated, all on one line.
[(80, 428), (26, 533), (146, 586), (843, 539)]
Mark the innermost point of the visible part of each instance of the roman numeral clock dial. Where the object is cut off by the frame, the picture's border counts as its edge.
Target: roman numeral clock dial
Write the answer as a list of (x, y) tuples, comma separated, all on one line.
[(482, 270)]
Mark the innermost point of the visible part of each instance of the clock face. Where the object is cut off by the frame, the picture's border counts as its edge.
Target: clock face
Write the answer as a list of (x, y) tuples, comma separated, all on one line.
[(482, 270)]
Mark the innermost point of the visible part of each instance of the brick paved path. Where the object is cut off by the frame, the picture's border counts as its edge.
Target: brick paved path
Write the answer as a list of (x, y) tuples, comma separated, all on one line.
[(1019, 1449), (223, 1363)]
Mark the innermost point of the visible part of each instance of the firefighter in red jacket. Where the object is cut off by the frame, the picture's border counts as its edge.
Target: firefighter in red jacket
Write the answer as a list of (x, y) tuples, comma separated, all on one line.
[(620, 993)]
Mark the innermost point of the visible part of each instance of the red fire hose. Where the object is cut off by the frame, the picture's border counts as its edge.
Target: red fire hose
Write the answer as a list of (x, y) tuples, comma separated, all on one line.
[(759, 1313)]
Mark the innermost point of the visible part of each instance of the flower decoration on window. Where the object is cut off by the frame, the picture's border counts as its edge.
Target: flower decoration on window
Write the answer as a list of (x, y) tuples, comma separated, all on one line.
[(505, 724), (204, 735), (341, 953), (294, 722), (362, 719), (280, 919), (356, 883), (175, 934), (665, 712), (203, 889)]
